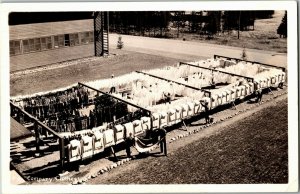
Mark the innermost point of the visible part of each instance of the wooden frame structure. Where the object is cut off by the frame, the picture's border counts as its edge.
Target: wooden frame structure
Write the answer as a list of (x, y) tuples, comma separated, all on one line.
[(37, 124), (237, 60), (250, 79), (168, 80)]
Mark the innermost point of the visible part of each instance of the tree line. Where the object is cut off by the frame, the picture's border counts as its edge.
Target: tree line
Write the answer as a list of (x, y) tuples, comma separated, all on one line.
[(161, 23)]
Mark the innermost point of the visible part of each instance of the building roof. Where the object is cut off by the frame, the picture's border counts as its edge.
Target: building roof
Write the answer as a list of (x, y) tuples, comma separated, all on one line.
[(16, 18), (18, 131)]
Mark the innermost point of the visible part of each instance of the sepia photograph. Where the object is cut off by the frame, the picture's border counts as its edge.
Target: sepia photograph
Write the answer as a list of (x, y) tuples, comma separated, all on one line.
[(150, 97)]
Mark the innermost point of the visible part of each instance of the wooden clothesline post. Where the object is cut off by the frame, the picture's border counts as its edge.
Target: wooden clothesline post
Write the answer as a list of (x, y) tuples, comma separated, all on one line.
[(38, 123)]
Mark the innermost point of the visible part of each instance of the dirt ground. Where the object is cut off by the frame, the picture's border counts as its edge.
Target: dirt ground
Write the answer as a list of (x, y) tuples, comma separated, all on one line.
[(99, 68)]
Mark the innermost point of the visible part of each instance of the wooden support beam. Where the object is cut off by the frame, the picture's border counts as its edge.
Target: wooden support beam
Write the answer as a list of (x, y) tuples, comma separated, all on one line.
[(168, 80), (36, 120), (117, 98), (39, 123)]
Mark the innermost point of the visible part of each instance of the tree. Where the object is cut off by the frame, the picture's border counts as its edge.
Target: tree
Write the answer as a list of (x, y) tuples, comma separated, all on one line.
[(282, 28), (244, 54), (263, 14), (234, 19), (179, 20), (120, 43), (212, 26)]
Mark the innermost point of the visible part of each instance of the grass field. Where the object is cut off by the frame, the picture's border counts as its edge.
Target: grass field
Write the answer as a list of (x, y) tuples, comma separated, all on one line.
[(101, 68), (254, 150)]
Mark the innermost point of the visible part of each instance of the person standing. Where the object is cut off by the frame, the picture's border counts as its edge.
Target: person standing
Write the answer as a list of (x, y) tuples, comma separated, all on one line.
[(258, 95), (129, 141), (162, 136), (206, 111)]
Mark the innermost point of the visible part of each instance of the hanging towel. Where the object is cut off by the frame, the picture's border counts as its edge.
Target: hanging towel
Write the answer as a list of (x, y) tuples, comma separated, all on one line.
[(197, 106), (98, 142), (137, 127), (129, 129), (215, 102), (119, 133), (171, 116), (155, 121), (228, 95), (87, 151), (178, 113), (163, 119), (185, 108), (74, 149), (191, 108), (146, 123), (224, 97), (109, 138)]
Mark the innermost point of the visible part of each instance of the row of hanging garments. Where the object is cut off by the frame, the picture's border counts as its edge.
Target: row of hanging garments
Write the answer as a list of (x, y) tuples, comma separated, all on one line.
[(71, 124), (117, 82), (49, 104)]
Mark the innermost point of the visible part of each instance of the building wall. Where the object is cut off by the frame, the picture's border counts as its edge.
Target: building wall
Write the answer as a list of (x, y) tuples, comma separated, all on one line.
[(31, 60), (67, 49)]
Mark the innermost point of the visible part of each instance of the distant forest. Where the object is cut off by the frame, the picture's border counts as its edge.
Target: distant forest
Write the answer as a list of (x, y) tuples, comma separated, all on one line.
[(159, 23), (166, 24)]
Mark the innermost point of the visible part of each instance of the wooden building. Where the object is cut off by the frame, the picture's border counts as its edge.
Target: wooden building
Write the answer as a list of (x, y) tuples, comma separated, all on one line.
[(38, 39)]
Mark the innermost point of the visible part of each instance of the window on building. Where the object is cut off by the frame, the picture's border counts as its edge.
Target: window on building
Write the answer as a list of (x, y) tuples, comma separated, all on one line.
[(59, 41), (91, 35), (37, 44), (86, 37), (74, 39), (49, 42), (31, 45), (26, 46), (15, 47), (67, 40), (46, 43)]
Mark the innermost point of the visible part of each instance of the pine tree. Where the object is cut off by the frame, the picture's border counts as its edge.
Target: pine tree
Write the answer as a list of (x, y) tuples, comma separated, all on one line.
[(212, 26), (179, 21), (282, 28), (120, 43), (244, 54)]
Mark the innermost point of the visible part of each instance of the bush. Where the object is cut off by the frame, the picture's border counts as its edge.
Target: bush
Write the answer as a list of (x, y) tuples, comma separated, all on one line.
[(282, 28), (244, 54), (120, 44)]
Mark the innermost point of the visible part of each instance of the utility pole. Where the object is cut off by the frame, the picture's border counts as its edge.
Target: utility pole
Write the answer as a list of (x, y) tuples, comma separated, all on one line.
[(239, 25)]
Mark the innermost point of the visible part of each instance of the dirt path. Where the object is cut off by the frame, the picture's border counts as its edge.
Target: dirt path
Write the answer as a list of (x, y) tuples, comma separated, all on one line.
[(171, 48)]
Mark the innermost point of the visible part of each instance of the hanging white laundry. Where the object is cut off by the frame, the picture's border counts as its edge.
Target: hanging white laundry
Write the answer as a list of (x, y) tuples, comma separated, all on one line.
[(155, 121), (129, 129), (74, 149), (146, 123), (191, 108), (87, 151), (163, 119), (109, 138), (98, 142), (119, 133), (137, 127)]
